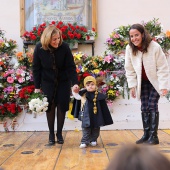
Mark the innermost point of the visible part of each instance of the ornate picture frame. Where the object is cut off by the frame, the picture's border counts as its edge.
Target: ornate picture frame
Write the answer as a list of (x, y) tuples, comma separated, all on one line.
[(32, 12)]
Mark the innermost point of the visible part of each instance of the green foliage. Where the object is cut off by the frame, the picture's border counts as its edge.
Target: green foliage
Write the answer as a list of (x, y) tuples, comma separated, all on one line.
[(153, 27)]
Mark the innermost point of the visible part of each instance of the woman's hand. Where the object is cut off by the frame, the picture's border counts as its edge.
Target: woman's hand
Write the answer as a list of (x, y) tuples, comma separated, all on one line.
[(75, 88), (133, 92), (37, 90), (164, 92)]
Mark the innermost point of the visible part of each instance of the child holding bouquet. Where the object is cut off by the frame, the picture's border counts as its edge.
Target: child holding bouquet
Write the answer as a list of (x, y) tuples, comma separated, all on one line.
[(91, 108)]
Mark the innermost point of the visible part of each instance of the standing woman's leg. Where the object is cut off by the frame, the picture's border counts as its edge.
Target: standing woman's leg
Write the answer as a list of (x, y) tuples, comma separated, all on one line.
[(145, 111), (60, 123), (51, 120), (154, 116)]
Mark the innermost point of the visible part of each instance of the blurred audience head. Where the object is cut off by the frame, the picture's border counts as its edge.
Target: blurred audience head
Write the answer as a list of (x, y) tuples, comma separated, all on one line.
[(135, 157)]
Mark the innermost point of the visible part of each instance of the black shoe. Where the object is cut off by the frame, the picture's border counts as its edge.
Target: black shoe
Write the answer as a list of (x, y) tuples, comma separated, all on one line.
[(51, 139), (153, 140), (60, 139), (143, 139)]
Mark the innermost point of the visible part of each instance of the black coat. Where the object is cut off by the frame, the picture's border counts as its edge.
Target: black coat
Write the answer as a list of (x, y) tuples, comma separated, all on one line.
[(103, 116), (44, 75)]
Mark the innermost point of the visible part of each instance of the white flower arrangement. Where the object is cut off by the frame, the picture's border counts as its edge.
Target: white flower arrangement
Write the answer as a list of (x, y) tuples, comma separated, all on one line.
[(38, 103)]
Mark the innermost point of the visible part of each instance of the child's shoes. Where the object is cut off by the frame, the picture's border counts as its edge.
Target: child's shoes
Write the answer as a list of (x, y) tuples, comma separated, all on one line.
[(82, 145), (93, 143)]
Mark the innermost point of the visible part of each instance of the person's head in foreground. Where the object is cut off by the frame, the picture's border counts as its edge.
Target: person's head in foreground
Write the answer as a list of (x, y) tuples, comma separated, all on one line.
[(135, 157)]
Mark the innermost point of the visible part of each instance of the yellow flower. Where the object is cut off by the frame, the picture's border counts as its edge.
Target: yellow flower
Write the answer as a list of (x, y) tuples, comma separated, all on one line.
[(96, 71), (69, 115), (111, 92), (78, 56)]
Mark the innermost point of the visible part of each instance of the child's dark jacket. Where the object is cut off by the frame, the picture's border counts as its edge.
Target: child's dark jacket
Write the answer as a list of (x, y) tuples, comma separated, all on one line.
[(103, 116)]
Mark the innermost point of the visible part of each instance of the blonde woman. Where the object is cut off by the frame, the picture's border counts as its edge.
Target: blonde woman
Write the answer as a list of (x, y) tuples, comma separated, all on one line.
[(54, 73)]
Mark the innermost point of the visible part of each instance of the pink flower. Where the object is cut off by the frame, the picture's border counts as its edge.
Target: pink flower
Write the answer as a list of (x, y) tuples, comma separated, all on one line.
[(108, 58), (19, 71), (10, 80), (21, 80), (116, 36)]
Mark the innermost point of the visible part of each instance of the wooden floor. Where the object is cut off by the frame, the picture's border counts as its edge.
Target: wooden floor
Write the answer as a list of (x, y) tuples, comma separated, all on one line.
[(28, 150)]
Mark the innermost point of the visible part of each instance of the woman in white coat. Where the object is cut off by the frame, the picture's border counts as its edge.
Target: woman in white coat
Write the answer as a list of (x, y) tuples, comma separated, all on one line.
[(147, 74)]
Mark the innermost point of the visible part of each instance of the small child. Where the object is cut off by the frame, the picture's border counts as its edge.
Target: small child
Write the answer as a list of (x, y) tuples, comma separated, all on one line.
[(91, 108)]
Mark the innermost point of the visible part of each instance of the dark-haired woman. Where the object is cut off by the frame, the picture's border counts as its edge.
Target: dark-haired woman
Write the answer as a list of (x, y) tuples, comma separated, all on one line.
[(147, 74)]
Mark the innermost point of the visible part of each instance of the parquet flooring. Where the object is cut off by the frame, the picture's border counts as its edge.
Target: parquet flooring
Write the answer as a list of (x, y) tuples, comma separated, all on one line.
[(28, 150)]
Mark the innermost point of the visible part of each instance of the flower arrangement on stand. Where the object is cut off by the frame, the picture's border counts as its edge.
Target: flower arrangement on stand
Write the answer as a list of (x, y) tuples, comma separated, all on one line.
[(15, 74), (71, 33)]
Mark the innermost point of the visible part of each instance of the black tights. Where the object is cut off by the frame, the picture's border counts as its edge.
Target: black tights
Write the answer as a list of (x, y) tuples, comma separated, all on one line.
[(51, 119)]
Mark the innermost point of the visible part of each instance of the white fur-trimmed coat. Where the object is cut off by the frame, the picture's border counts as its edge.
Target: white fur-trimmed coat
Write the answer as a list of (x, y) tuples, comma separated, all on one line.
[(155, 64)]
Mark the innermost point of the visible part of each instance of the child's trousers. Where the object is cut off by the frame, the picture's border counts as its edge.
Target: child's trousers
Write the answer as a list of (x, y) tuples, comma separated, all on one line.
[(90, 135)]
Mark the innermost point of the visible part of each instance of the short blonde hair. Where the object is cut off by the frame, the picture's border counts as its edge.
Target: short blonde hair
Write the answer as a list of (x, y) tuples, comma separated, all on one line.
[(47, 34)]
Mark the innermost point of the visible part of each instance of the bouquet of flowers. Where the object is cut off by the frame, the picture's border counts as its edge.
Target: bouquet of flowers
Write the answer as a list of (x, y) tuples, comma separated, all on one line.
[(164, 41), (6, 46), (114, 85), (118, 39), (38, 103)]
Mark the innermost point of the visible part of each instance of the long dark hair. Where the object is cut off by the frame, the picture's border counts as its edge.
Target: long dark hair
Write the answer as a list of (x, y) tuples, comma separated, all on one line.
[(145, 40)]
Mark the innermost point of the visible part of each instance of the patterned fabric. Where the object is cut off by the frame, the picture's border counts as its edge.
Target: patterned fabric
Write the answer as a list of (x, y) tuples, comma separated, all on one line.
[(149, 97)]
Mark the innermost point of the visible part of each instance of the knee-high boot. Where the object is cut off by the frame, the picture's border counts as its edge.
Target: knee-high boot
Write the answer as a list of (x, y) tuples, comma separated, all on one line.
[(153, 134), (146, 123)]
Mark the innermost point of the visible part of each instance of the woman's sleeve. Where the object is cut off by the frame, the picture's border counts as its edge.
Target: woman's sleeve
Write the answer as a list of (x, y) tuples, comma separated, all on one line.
[(71, 67), (36, 67), (162, 69), (130, 71)]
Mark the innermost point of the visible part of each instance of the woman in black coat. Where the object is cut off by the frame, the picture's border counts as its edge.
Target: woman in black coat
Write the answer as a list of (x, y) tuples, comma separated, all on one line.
[(54, 72)]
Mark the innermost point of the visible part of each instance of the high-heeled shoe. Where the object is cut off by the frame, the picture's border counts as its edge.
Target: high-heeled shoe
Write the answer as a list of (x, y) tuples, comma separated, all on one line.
[(60, 139), (51, 139)]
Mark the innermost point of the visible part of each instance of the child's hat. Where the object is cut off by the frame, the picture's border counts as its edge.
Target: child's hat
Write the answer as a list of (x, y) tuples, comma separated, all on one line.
[(89, 78)]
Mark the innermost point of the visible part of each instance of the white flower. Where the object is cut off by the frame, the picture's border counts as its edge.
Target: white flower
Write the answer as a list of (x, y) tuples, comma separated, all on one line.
[(7, 44), (28, 77), (38, 106)]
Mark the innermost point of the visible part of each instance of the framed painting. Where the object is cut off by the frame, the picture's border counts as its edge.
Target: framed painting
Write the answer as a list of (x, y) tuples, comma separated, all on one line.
[(35, 12)]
